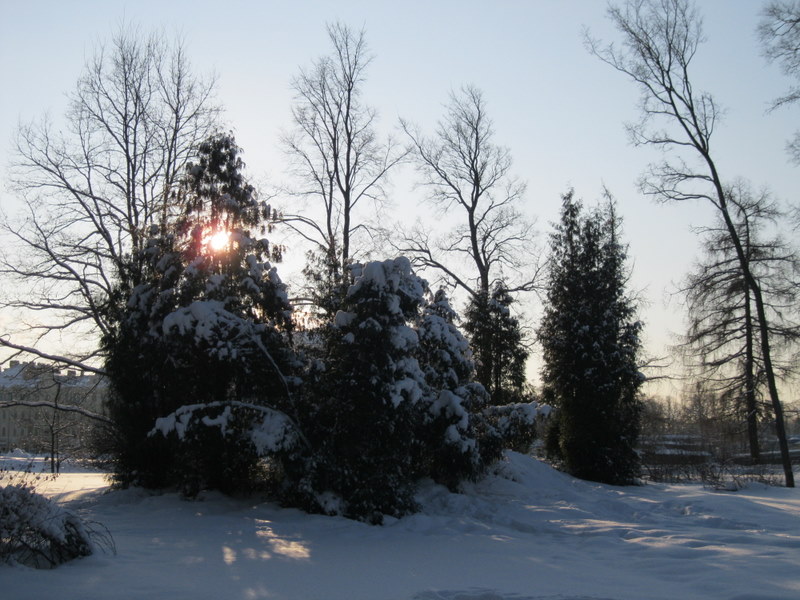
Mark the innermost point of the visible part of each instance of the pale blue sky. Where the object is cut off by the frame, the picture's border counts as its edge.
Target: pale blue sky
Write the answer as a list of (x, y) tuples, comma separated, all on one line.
[(558, 109)]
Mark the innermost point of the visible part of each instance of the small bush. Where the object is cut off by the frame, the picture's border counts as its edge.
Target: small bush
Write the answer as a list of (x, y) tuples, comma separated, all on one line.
[(516, 423), (37, 532)]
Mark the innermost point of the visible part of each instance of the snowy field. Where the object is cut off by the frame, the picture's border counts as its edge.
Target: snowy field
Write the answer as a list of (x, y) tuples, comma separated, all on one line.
[(526, 532)]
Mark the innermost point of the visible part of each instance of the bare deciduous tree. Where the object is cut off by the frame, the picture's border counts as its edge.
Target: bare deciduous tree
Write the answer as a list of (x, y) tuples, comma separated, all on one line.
[(339, 162), (660, 39), (92, 191), (779, 31), (469, 175), (723, 328)]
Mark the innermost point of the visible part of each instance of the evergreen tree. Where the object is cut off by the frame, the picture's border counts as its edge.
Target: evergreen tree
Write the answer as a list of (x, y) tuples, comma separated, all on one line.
[(444, 351), (392, 400), (590, 340), (459, 440), (496, 338), (364, 412), (326, 285), (203, 342)]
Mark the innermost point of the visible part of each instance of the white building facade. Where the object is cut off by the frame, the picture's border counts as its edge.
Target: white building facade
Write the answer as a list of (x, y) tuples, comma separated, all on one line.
[(30, 395)]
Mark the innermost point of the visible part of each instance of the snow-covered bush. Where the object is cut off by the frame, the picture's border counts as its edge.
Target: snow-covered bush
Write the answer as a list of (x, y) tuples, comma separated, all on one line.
[(221, 444), (37, 532), (459, 442), (392, 400), (516, 424)]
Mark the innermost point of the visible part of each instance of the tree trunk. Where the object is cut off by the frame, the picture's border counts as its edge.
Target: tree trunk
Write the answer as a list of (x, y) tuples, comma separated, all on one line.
[(52, 450), (750, 384), (763, 329)]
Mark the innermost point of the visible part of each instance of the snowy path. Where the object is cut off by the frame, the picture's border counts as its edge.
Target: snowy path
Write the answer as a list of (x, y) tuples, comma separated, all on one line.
[(528, 533)]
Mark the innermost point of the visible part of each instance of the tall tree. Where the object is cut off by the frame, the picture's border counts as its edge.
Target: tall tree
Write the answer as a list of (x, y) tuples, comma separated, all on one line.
[(659, 40), (339, 162), (590, 341), (469, 175), (723, 328), (204, 338), (779, 31), (93, 190), (489, 253)]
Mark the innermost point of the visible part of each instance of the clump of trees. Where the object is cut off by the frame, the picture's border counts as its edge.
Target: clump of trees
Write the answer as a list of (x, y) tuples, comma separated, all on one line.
[(395, 401), (152, 239), (211, 389), (701, 436)]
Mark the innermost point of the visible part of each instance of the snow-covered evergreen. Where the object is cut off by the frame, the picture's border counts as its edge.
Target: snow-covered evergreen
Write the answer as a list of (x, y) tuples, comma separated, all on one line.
[(209, 324), (393, 399), (362, 413), (208, 387), (460, 441), (590, 339), (496, 337)]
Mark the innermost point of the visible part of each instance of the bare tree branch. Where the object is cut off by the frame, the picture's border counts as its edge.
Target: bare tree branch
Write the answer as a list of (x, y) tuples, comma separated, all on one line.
[(337, 160), (69, 408), (93, 191), (464, 171)]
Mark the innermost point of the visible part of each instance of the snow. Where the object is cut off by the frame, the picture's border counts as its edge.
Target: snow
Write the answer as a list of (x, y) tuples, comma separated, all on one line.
[(343, 319), (395, 275), (404, 338), (203, 317), (526, 532), (407, 388), (451, 405), (274, 433)]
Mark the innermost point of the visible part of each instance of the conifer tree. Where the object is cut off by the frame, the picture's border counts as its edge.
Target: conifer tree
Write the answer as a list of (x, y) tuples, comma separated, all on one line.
[(365, 410), (459, 440), (496, 338), (722, 339), (590, 340), (207, 330)]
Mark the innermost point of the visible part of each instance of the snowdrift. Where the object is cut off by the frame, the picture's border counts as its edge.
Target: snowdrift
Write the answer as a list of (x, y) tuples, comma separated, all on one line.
[(525, 532)]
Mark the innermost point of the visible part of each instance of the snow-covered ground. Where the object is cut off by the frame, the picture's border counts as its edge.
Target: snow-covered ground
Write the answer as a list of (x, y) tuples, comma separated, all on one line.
[(526, 532)]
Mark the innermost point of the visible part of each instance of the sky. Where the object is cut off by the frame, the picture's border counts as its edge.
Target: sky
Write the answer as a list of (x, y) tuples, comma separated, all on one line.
[(559, 110)]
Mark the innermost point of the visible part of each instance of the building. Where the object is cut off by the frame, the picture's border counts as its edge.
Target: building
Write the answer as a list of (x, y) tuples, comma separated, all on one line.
[(29, 419)]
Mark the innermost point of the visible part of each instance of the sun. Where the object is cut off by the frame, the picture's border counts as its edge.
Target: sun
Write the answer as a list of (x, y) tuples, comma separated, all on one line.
[(219, 240)]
